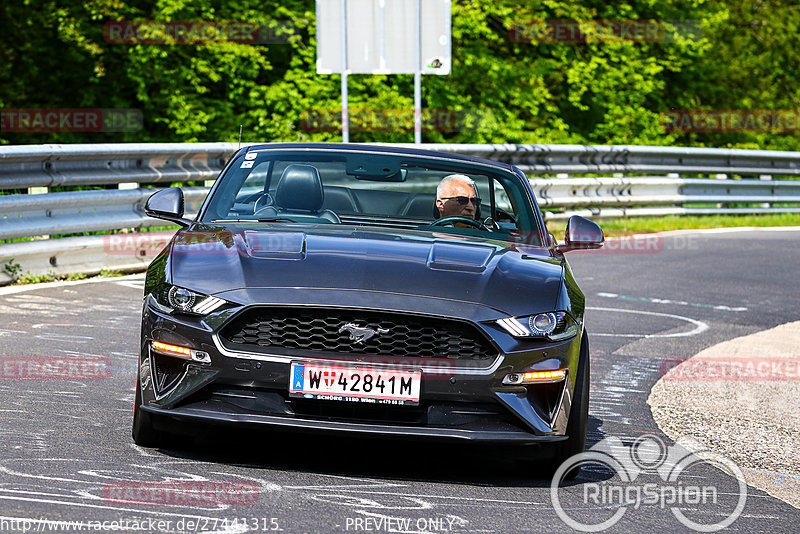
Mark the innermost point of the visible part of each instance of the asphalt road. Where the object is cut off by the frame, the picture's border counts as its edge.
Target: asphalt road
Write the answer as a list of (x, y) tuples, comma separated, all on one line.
[(65, 443)]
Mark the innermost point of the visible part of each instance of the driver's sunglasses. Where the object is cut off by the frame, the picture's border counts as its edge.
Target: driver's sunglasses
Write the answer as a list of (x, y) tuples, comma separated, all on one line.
[(476, 201)]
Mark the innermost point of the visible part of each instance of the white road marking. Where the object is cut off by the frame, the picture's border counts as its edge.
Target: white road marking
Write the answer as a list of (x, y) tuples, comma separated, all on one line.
[(68, 325), (119, 508), (655, 300), (699, 328), (8, 290), (355, 501), (455, 497), (132, 284)]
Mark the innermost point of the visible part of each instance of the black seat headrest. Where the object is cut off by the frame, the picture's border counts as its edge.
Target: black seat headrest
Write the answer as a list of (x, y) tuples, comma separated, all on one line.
[(300, 188)]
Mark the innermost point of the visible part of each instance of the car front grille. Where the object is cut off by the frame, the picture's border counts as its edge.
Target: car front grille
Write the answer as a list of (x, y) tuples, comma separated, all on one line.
[(325, 331)]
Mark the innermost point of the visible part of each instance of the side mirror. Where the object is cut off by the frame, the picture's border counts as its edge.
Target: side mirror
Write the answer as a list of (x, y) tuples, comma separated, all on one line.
[(167, 204), (581, 234)]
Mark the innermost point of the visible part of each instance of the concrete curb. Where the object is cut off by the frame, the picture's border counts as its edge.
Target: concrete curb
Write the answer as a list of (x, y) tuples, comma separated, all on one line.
[(741, 398)]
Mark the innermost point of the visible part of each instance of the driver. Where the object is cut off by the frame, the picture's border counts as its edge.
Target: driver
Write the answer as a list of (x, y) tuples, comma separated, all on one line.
[(457, 195)]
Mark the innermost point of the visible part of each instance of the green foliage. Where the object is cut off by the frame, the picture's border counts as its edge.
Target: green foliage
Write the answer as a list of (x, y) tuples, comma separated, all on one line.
[(739, 56), (29, 278), (106, 272), (49, 276), (12, 268)]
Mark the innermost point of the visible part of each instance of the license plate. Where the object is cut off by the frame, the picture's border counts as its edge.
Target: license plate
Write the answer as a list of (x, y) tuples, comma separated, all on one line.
[(355, 384)]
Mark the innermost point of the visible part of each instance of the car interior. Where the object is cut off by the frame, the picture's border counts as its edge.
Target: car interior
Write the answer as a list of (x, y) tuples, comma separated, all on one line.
[(334, 192)]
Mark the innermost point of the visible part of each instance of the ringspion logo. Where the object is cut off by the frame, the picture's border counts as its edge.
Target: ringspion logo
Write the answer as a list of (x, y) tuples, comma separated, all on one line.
[(649, 474)]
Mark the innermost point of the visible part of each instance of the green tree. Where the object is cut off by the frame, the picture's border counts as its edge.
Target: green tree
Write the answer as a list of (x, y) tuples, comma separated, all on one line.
[(504, 86)]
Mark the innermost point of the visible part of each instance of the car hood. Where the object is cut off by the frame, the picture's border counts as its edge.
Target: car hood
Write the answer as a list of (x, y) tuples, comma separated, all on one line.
[(247, 264)]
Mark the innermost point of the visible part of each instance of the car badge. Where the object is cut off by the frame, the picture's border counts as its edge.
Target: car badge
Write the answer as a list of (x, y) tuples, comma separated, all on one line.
[(360, 334)]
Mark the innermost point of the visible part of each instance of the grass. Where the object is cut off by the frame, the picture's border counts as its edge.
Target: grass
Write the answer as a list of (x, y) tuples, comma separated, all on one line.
[(50, 276), (645, 225)]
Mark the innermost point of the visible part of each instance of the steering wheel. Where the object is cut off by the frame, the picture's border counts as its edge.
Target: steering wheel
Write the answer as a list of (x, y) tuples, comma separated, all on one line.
[(266, 199), (454, 219)]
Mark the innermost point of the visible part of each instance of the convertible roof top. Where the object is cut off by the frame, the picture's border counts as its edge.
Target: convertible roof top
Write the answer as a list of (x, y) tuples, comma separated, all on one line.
[(389, 149)]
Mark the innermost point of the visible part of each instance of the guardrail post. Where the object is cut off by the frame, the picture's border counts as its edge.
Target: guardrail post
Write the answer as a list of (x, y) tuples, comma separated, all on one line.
[(766, 177), (39, 191), (721, 176)]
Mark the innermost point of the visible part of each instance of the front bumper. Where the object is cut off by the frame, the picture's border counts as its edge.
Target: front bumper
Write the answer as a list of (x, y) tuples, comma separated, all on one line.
[(458, 403), (210, 414)]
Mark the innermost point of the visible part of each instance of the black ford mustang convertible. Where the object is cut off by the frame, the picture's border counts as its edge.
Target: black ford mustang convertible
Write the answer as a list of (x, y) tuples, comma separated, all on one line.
[(366, 289)]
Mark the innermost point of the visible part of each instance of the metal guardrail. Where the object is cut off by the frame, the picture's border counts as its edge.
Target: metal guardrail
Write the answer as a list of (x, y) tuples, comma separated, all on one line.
[(83, 211), (584, 159), (68, 165), (658, 190), (126, 166)]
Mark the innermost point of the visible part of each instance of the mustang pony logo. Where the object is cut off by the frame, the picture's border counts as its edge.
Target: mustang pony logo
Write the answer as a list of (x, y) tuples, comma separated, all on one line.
[(360, 334)]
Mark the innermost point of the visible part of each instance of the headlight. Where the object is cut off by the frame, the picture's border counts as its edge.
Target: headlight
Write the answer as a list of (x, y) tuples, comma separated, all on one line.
[(170, 299), (555, 326)]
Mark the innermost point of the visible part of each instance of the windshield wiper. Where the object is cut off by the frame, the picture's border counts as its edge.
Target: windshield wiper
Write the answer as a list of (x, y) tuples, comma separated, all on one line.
[(262, 220)]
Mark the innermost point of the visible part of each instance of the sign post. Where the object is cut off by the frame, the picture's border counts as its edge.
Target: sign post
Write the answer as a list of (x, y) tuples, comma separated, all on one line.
[(418, 72), (345, 108)]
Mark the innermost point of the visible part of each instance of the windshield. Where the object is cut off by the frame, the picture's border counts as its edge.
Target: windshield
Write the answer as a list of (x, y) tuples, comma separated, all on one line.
[(369, 189)]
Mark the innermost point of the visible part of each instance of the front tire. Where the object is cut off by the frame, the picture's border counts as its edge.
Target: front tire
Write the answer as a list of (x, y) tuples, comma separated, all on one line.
[(143, 432), (577, 425)]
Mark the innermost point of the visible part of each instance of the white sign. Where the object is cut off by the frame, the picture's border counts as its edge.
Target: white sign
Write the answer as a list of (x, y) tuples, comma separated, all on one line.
[(381, 36)]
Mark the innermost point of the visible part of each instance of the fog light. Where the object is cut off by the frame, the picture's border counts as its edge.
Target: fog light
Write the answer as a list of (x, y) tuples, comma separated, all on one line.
[(535, 377), (181, 352), (172, 349), (544, 376), (513, 378)]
